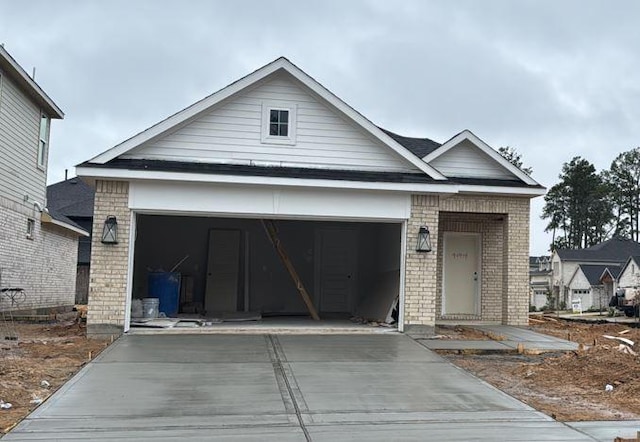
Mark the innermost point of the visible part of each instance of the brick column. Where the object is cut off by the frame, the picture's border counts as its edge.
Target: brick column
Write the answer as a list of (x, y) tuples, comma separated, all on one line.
[(420, 268), (515, 273), (109, 262)]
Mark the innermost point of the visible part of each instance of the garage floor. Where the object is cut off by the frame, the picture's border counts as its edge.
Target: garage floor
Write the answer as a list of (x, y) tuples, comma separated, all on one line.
[(281, 387)]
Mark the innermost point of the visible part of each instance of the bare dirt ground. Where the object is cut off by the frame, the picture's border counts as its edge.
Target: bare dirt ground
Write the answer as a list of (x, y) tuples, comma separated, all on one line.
[(41, 360), (568, 386)]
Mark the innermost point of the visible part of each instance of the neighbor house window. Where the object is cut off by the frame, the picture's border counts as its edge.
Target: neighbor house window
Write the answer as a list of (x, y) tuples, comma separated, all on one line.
[(31, 225), (278, 123), (44, 140)]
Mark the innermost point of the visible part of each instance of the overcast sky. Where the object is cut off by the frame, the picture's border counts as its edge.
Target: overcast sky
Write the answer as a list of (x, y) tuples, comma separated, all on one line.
[(553, 79)]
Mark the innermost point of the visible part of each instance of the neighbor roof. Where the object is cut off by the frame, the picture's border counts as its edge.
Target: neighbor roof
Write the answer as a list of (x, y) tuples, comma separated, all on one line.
[(71, 198), (593, 272), (10, 67), (612, 250)]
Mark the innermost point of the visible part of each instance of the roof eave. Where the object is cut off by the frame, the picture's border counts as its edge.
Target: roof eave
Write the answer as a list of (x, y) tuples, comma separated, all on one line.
[(17, 74)]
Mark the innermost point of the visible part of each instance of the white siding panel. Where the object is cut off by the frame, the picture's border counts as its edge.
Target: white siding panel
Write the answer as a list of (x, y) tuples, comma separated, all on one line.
[(467, 160), (231, 132), (631, 276), (19, 131)]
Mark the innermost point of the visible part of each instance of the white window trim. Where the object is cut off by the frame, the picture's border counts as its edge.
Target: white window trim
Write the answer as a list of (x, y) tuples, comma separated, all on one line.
[(267, 107), (43, 144), (31, 227)]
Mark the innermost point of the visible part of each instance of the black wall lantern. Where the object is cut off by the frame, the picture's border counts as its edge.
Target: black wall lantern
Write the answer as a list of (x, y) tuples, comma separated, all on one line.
[(424, 240), (110, 231)]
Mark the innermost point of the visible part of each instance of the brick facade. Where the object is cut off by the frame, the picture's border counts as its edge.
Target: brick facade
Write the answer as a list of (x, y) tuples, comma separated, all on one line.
[(503, 223), (109, 262), (44, 266)]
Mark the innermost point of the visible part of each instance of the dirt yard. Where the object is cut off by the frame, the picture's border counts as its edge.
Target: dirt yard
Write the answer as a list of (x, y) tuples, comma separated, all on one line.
[(38, 362), (569, 386)]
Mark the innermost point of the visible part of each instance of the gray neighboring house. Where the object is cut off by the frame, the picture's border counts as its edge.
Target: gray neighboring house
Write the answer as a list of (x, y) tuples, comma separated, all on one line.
[(540, 279), (611, 254), (591, 284), (73, 198), (38, 247)]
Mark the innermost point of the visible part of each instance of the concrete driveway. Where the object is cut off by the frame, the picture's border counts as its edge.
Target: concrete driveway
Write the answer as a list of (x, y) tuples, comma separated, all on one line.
[(285, 388)]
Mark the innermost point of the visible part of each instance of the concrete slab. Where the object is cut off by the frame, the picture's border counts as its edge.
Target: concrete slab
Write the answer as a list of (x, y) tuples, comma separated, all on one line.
[(607, 431), (288, 388), (450, 344)]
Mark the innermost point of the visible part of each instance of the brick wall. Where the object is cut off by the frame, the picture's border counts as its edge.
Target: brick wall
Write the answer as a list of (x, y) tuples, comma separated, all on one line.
[(108, 274), (503, 223), (420, 268), (44, 266)]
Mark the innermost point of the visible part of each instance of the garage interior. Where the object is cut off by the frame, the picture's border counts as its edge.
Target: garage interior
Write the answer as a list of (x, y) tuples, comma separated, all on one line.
[(229, 270)]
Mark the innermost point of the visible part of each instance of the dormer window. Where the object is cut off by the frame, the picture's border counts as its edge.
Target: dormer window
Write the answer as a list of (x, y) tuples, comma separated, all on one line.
[(278, 123)]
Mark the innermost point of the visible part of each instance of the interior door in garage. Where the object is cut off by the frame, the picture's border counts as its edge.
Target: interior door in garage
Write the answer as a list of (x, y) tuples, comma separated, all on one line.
[(336, 269), (223, 271)]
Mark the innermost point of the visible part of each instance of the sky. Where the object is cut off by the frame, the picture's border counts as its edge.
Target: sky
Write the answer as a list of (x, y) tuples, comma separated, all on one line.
[(552, 79)]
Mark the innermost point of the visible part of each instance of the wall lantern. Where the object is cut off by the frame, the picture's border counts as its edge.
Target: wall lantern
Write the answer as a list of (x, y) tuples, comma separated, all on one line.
[(424, 240), (110, 231)]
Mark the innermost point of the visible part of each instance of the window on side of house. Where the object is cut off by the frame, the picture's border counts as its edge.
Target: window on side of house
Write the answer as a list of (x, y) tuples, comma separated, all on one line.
[(43, 142), (31, 225), (278, 123)]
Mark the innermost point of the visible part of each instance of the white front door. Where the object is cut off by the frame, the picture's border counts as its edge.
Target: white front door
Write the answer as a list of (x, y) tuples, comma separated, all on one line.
[(461, 274), (335, 269)]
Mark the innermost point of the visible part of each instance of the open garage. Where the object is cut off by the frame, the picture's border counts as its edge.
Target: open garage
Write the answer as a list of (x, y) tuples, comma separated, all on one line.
[(229, 265)]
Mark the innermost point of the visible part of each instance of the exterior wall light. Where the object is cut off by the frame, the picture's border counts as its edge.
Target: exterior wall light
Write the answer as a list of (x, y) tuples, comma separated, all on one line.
[(424, 240), (110, 231)]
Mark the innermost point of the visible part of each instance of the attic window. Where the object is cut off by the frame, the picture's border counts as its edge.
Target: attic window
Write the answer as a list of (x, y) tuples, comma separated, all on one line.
[(278, 123)]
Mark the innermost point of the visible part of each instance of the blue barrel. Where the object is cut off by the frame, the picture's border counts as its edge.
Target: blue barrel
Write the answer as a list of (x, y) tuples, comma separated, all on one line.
[(166, 287)]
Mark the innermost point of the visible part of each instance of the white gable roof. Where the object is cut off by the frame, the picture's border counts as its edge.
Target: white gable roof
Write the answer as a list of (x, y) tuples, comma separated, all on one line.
[(194, 111), (484, 162)]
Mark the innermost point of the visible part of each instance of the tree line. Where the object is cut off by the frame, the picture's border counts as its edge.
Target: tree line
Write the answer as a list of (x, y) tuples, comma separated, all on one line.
[(587, 207)]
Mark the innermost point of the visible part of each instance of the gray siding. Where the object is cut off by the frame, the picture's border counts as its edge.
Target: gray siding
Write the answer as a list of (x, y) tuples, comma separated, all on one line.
[(231, 132), (467, 160), (19, 137)]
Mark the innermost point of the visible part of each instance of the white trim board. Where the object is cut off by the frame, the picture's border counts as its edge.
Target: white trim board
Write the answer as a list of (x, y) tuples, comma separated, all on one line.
[(281, 63)]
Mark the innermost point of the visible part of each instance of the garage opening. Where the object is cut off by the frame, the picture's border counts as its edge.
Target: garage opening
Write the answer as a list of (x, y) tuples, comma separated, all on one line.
[(209, 270)]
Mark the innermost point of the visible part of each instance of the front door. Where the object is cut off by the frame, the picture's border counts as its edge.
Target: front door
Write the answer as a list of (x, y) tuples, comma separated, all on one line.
[(335, 269), (461, 274)]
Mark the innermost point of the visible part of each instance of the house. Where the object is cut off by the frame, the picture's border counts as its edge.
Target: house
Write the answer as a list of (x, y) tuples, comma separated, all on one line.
[(629, 276), (38, 247), (565, 262), (588, 285), (73, 199), (362, 212), (540, 279)]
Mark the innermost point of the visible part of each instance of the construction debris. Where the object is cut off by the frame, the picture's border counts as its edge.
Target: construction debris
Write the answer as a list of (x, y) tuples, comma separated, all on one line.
[(625, 340)]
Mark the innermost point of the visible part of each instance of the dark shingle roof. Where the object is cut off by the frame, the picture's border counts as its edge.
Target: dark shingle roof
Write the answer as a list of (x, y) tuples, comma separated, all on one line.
[(615, 250), (420, 147), (263, 171), (593, 272), (58, 216), (71, 198)]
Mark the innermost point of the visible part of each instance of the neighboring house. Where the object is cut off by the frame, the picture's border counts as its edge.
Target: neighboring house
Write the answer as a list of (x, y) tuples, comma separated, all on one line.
[(564, 262), (73, 198), (588, 285), (540, 279), (629, 277), (38, 247), (350, 200)]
